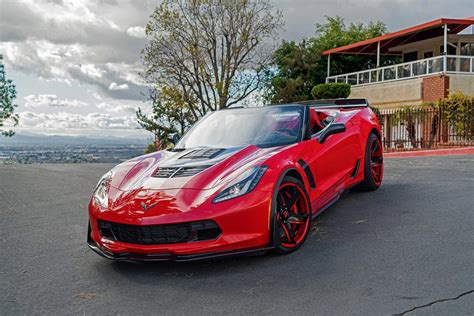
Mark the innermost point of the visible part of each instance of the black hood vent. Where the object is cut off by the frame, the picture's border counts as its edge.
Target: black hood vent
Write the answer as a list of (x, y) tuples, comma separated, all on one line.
[(175, 172), (205, 153)]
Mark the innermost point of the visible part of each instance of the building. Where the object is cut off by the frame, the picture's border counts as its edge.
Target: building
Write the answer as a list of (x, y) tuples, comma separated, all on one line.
[(435, 60)]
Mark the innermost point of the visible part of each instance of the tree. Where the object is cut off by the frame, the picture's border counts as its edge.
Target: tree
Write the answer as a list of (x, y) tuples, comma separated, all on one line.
[(301, 66), (296, 72), (7, 107), (457, 111), (215, 52), (170, 114)]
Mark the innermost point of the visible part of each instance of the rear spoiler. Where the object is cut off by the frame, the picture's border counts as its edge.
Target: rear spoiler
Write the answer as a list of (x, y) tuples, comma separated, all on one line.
[(336, 103)]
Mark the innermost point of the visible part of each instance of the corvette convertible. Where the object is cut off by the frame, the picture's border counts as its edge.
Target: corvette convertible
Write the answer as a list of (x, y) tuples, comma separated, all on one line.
[(240, 181)]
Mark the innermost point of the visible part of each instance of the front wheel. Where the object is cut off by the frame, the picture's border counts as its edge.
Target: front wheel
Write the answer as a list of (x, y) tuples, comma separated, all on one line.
[(292, 215), (373, 165)]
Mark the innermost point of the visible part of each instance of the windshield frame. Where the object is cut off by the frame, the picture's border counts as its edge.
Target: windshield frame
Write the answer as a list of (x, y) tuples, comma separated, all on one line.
[(301, 132)]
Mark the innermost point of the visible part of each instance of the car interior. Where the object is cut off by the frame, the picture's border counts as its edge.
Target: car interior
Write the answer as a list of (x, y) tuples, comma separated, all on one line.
[(318, 120)]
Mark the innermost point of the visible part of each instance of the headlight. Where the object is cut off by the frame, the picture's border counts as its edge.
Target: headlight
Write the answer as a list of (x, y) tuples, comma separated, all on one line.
[(101, 192), (243, 184)]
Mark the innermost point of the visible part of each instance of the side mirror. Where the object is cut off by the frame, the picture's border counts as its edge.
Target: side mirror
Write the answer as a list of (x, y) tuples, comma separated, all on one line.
[(174, 138), (335, 128)]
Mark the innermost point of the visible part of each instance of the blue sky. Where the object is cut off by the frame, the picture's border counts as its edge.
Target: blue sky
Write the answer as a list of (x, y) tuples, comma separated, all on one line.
[(76, 63)]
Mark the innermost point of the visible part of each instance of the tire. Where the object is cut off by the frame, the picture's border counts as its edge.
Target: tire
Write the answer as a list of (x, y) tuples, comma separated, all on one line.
[(292, 216), (373, 165)]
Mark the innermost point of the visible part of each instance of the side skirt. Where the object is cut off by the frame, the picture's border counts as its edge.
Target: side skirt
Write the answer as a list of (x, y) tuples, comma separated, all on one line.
[(328, 205), (334, 200)]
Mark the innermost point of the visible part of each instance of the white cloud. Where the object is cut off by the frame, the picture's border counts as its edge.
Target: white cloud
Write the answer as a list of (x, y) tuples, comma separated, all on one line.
[(76, 40), (45, 100), (117, 108), (63, 120), (136, 31), (91, 71), (115, 86)]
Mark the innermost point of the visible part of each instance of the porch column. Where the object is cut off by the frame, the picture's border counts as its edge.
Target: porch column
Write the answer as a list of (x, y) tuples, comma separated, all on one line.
[(445, 48), (378, 54), (378, 63), (329, 65)]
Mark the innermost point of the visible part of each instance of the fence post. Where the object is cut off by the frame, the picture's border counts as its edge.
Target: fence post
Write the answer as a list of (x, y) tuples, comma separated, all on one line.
[(445, 63)]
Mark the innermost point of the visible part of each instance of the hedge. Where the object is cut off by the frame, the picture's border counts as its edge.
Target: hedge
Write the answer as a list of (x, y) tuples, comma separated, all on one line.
[(331, 91)]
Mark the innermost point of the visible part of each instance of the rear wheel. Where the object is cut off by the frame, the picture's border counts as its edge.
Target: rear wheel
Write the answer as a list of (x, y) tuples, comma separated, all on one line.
[(373, 166), (292, 215)]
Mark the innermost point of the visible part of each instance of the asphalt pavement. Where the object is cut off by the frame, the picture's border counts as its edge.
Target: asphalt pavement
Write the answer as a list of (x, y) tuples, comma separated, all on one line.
[(408, 247)]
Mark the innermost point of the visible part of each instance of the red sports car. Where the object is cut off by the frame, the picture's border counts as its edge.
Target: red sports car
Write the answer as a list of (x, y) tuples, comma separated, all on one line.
[(241, 181)]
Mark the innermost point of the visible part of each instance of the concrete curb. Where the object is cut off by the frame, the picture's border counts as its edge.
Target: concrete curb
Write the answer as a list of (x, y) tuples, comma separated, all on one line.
[(427, 153)]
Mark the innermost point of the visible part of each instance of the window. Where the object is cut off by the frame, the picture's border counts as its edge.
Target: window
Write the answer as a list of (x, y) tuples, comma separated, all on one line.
[(451, 50), (467, 49), (267, 126), (412, 56)]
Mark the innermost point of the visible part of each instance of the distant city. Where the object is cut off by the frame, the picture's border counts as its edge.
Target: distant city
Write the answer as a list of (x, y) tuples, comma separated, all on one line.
[(28, 149)]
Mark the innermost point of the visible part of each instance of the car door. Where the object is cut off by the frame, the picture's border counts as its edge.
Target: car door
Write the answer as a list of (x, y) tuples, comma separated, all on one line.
[(332, 162)]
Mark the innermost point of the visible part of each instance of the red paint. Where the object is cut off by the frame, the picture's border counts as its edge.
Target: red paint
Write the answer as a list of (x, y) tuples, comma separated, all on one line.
[(245, 221), (436, 152)]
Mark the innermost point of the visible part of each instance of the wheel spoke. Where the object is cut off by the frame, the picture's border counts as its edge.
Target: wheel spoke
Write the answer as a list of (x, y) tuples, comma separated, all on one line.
[(288, 233), (292, 200), (297, 219), (376, 164), (375, 174), (280, 200)]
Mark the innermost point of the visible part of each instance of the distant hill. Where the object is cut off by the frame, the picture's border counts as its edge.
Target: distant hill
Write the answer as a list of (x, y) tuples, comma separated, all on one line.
[(37, 139)]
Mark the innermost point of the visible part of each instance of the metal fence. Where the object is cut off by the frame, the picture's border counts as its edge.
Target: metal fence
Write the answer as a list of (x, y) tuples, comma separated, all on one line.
[(410, 129)]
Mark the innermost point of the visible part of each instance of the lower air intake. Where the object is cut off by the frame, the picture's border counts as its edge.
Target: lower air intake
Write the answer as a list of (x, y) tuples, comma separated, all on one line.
[(159, 234)]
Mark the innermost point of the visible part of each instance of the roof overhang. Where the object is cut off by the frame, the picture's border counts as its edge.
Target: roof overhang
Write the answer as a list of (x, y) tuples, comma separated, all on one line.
[(410, 35)]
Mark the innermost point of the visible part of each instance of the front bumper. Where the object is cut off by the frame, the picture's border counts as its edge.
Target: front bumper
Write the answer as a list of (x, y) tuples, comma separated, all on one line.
[(244, 225), (135, 256)]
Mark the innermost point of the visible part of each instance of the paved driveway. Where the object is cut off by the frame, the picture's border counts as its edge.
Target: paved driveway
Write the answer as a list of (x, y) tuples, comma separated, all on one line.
[(408, 245)]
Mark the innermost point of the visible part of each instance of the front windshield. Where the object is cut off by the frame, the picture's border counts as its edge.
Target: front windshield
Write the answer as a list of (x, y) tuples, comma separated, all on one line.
[(265, 127)]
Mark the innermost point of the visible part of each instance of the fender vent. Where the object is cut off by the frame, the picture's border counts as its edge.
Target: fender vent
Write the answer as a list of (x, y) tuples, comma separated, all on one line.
[(356, 169), (309, 174), (175, 172)]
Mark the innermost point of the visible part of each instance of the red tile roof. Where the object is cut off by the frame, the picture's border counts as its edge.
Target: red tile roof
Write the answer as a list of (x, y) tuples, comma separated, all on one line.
[(409, 35)]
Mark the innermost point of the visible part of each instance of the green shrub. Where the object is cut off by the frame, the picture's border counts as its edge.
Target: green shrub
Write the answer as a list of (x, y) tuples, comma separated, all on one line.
[(151, 148), (331, 91)]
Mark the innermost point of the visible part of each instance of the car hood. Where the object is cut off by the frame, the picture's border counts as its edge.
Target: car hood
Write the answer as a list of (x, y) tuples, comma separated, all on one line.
[(197, 168)]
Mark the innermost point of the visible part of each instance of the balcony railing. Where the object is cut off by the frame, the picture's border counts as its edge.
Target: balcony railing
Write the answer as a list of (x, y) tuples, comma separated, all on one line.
[(418, 68)]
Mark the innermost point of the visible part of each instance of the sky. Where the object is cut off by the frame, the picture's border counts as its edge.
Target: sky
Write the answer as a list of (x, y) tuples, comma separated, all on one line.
[(76, 63)]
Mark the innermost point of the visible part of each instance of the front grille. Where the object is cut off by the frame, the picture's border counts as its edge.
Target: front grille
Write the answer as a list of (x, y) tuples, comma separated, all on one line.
[(173, 172), (160, 234)]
